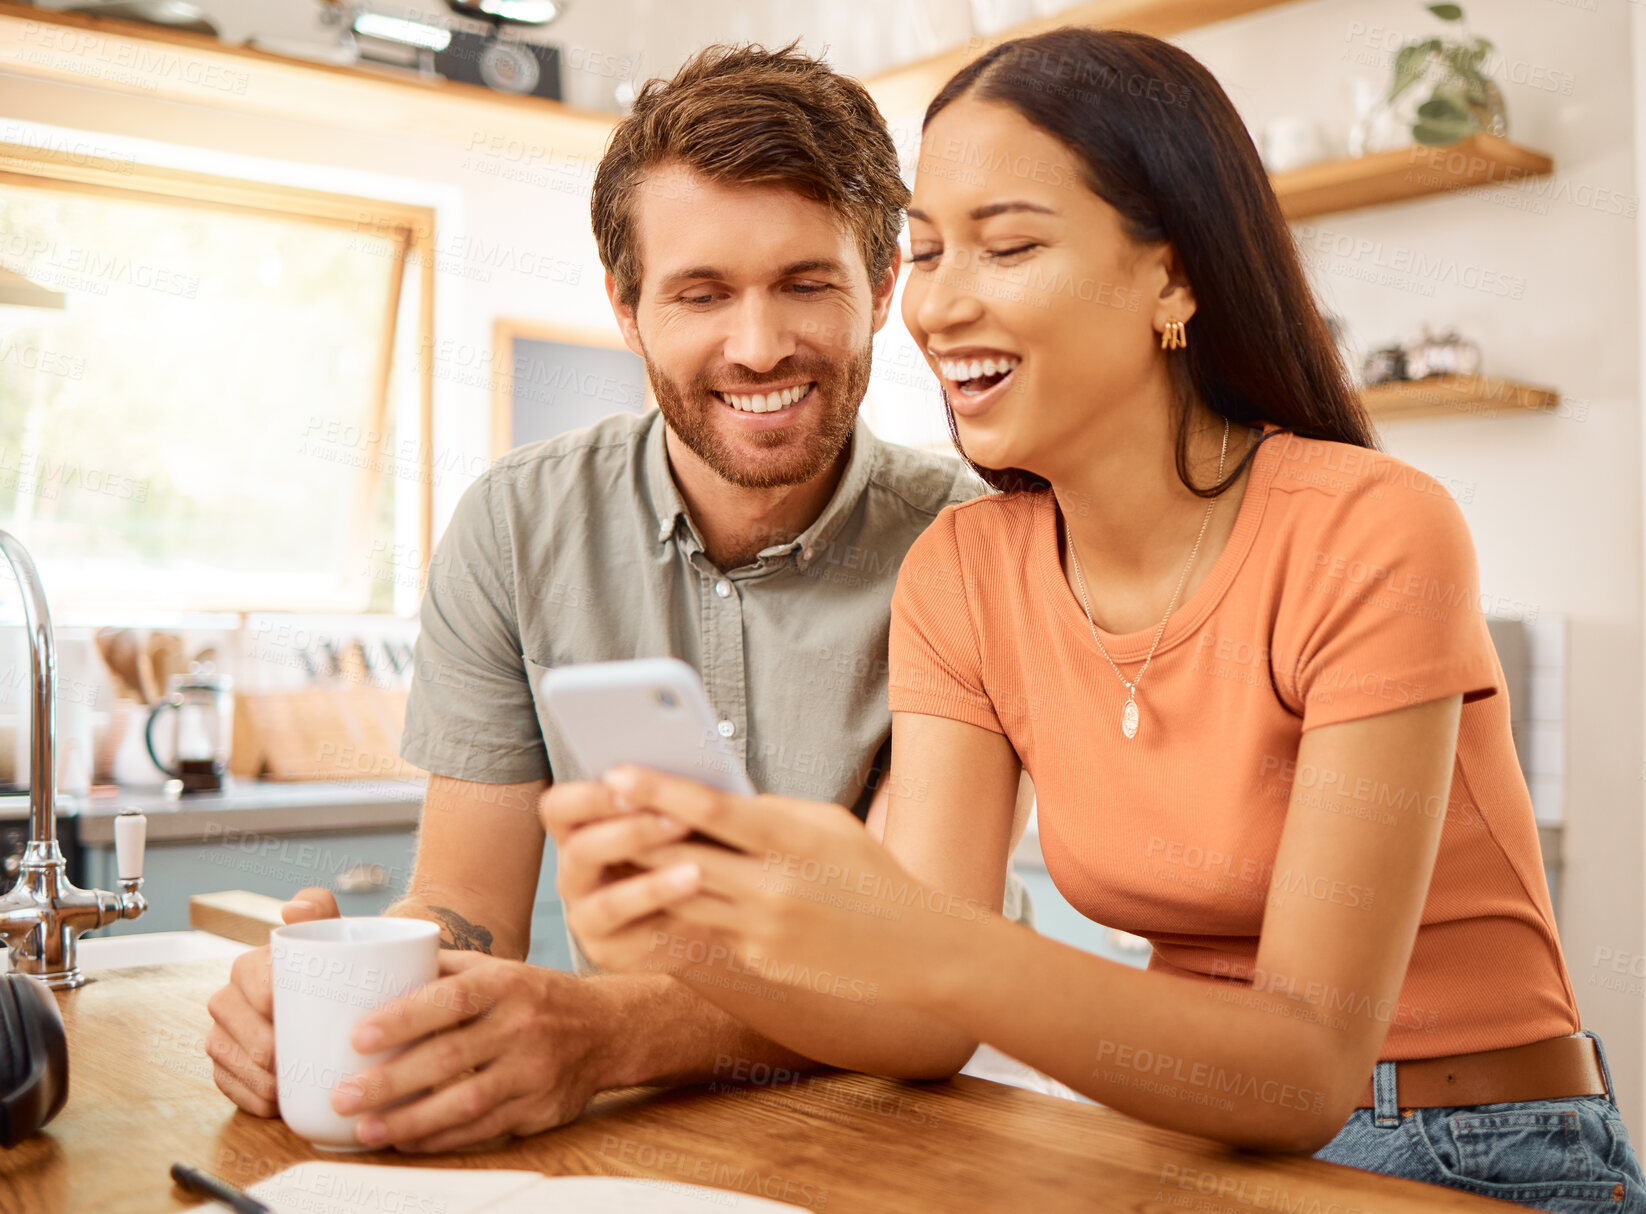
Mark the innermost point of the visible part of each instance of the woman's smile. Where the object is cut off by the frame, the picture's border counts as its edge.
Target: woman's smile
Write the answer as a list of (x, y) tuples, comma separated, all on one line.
[(975, 378)]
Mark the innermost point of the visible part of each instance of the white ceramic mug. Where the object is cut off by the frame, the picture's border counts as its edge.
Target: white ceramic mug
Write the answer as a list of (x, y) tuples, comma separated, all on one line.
[(328, 974)]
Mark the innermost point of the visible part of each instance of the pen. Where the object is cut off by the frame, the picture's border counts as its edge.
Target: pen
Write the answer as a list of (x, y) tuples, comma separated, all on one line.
[(204, 1183)]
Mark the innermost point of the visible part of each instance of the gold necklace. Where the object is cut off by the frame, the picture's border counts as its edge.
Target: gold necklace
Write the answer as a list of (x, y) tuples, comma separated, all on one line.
[(1130, 718)]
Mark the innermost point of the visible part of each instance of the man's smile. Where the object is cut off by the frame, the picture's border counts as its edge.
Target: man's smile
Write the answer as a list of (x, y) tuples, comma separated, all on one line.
[(770, 401)]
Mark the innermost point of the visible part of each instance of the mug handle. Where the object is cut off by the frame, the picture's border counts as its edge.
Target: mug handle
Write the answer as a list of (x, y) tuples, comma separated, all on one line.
[(148, 737)]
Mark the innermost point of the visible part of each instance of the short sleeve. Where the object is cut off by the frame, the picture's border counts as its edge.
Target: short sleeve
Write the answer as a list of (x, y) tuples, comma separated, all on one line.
[(1385, 607), (933, 663), (470, 713)]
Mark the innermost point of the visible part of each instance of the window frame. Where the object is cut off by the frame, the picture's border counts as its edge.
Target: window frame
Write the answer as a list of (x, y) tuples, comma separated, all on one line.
[(410, 227)]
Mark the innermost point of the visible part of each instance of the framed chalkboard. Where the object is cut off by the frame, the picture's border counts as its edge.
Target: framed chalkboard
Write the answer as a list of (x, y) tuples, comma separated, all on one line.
[(555, 378)]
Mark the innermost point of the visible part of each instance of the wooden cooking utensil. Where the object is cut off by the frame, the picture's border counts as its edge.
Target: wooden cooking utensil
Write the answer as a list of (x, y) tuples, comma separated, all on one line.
[(166, 656), (126, 659)]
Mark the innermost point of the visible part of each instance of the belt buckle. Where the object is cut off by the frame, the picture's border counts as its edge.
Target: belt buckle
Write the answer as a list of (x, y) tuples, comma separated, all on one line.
[(1600, 1063)]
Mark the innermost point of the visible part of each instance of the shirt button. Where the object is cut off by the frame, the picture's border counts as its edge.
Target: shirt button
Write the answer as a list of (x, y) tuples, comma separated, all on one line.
[(722, 587), (727, 729)]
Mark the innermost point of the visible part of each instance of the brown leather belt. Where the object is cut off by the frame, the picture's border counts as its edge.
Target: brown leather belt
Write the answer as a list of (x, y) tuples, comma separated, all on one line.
[(1555, 1069)]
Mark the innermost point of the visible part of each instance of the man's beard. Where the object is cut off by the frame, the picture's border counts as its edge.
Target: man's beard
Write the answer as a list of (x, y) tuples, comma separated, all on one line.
[(831, 415)]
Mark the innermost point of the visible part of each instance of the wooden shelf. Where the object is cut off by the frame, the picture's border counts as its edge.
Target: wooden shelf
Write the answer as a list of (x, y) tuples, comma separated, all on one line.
[(1405, 173), (904, 92), (150, 61), (1454, 395)]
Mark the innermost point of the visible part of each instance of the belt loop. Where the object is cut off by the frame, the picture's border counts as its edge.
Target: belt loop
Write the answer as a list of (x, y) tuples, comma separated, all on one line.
[(1605, 1068), (1385, 1106)]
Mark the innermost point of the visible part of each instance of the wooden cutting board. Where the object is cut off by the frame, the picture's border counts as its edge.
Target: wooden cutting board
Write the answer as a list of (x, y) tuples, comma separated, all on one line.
[(321, 733)]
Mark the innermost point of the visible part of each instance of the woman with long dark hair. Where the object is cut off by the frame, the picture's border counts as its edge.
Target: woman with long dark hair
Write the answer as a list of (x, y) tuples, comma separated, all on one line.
[(1239, 651)]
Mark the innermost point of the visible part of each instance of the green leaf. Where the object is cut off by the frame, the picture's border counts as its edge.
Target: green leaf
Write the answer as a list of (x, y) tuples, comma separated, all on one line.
[(1411, 61), (1443, 108), (1441, 121), (1467, 69), (1447, 12)]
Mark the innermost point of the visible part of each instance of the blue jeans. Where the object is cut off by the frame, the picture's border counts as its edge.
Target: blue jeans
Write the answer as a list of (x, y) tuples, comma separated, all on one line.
[(1571, 1156)]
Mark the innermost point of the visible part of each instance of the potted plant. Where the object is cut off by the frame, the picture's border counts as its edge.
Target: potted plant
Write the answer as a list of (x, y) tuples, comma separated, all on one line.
[(1439, 89)]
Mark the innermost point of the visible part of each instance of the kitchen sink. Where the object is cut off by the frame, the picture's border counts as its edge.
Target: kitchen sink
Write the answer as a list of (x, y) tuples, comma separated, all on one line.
[(151, 948)]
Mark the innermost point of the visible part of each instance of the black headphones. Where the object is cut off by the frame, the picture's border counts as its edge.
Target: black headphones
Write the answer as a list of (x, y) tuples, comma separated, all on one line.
[(34, 1058)]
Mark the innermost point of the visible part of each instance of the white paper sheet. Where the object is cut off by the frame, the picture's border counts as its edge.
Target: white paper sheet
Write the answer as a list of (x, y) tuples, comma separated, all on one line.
[(321, 1186)]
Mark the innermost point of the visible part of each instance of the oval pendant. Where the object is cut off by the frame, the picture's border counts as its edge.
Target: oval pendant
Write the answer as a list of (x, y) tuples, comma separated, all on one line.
[(1128, 719)]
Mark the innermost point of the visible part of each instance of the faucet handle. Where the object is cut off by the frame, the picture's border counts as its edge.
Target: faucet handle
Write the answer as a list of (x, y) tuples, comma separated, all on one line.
[(130, 829)]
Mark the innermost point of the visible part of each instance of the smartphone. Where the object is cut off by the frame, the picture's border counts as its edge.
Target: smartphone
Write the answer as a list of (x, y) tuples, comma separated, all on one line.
[(652, 712)]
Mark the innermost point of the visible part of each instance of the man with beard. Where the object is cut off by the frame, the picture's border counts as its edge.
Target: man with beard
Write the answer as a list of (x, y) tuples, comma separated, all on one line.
[(747, 214)]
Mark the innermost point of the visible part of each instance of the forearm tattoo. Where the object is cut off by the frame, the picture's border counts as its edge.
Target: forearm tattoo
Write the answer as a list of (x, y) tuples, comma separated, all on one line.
[(462, 934)]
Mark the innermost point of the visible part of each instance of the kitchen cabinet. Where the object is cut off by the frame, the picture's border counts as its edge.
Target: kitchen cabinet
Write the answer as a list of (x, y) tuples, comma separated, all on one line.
[(365, 869), (1055, 919), (356, 838), (549, 946)]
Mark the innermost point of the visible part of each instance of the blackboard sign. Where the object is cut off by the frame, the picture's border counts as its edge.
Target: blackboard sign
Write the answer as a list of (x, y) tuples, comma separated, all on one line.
[(553, 386)]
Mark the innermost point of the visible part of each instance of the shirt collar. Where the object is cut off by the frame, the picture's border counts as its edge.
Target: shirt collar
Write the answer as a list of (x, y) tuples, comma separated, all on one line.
[(669, 509), (660, 487), (814, 541)]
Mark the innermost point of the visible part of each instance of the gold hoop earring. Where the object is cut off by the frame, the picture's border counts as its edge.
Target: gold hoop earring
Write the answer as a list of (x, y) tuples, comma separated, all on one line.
[(1172, 336)]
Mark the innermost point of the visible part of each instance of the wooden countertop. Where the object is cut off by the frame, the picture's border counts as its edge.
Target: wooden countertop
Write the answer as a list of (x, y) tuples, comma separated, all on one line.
[(249, 807), (141, 1097)]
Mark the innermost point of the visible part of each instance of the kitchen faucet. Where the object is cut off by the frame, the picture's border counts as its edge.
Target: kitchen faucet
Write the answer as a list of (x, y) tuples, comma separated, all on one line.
[(44, 914)]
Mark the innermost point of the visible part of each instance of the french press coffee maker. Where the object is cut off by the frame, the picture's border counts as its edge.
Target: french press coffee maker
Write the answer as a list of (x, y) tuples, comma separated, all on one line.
[(189, 733)]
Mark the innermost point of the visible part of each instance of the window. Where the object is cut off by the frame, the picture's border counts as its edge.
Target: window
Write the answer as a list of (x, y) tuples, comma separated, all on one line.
[(214, 394)]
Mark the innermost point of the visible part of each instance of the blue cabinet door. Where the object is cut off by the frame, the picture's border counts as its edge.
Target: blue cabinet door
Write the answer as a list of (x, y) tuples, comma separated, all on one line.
[(1055, 918), (549, 946), (377, 864)]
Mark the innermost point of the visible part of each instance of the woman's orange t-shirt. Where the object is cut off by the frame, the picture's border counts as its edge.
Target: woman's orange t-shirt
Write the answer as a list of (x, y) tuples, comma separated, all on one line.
[(1347, 588)]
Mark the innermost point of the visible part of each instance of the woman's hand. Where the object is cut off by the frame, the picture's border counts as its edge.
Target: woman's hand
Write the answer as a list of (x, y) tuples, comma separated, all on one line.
[(800, 896), (611, 902)]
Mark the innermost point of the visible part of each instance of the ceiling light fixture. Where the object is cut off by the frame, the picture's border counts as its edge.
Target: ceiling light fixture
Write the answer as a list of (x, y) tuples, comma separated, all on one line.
[(398, 29), (522, 12)]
